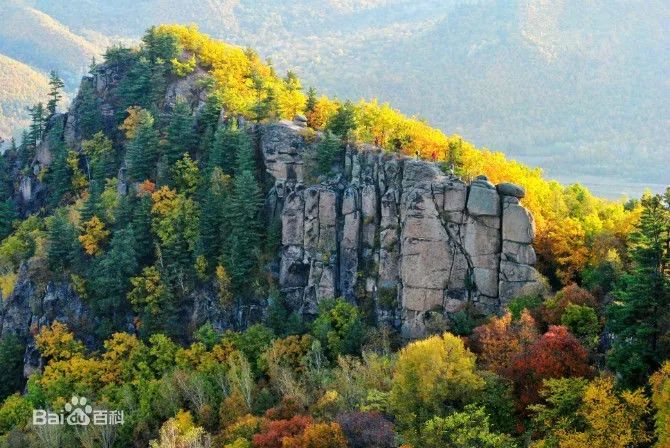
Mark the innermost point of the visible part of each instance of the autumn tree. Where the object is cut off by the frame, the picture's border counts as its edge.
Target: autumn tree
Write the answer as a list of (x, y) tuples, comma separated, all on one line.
[(611, 419), (100, 156), (367, 430), (181, 431), (554, 355), (660, 387), (318, 435), (148, 293), (501, 340), (559, 410), (291, 100), (94, 236), (175, 224), (274, 431), (57, 342), (432, 376), (562, 250), (466, 429), (553, 308)]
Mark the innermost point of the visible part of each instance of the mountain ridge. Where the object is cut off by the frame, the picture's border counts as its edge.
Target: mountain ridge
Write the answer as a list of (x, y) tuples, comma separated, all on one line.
[(479, 69)]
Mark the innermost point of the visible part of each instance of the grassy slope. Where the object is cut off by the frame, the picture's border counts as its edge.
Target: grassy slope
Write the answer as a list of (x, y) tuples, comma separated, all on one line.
[(35, 38), (20, 85)]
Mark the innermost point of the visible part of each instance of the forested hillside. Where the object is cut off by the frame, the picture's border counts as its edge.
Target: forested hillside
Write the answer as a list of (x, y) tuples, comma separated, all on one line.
[(572, 88), (142, 247)]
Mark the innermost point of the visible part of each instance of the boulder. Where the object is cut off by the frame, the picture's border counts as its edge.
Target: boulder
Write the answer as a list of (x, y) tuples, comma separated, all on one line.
[(509, 189)]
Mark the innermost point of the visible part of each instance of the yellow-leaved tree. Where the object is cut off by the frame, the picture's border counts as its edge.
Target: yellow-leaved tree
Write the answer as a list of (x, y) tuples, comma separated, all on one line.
[(94, 236), (431, 375), (612, 419), (660, 386)]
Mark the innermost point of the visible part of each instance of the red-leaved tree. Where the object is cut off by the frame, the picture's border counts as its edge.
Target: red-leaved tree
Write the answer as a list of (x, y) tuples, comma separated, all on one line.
[(274, 431), (557, 354)]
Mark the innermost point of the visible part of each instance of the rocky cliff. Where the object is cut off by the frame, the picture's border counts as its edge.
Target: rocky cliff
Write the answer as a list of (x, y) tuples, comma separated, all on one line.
[(397, 232), (395, 235)]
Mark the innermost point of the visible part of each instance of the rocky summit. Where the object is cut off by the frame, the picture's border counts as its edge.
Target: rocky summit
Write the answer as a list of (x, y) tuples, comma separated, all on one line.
[(412, 243), (399, 231)]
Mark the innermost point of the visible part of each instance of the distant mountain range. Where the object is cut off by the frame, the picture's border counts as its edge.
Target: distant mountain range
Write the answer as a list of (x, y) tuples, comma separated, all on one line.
[(581, 89)]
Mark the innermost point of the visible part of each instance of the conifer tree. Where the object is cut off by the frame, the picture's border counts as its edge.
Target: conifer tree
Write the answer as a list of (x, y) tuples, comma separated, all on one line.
[(143, 151), (640, 316), (311, 100), (213, 228), (344, 120), (59, 178), (88, 111), (63, 245), (7, 216), (141, 226), (326, 152), (244, 215), (22, 152), (92, 206), (56, 86), (111, 281), (160, 47), (224, 149), (36, 129), (180, 134)]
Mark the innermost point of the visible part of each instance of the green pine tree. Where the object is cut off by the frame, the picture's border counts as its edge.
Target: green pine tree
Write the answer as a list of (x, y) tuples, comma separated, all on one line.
[(160, 47), (7, 216), (326, 152), (640, 316), (56, 86), (92, 206), (213, 224), (143, 151), (311, 100), (224, 149), (36, 129), (88, 111), (141, 225), (110, 282), (63, 249), (343, 123), (244, 215), (180, 135)]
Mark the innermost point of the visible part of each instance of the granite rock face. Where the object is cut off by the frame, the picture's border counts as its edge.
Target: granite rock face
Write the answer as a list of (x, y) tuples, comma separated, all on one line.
[(396, 232)]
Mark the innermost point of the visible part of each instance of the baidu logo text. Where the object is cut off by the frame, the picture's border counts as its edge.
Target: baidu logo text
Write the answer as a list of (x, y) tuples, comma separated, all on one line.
[(77, 412)]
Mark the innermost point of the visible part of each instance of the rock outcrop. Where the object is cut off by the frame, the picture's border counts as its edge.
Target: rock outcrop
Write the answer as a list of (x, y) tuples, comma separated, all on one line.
[(395, 231)]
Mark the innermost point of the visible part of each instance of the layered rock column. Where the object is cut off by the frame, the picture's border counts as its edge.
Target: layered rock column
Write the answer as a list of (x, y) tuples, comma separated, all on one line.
[(396, 232)]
